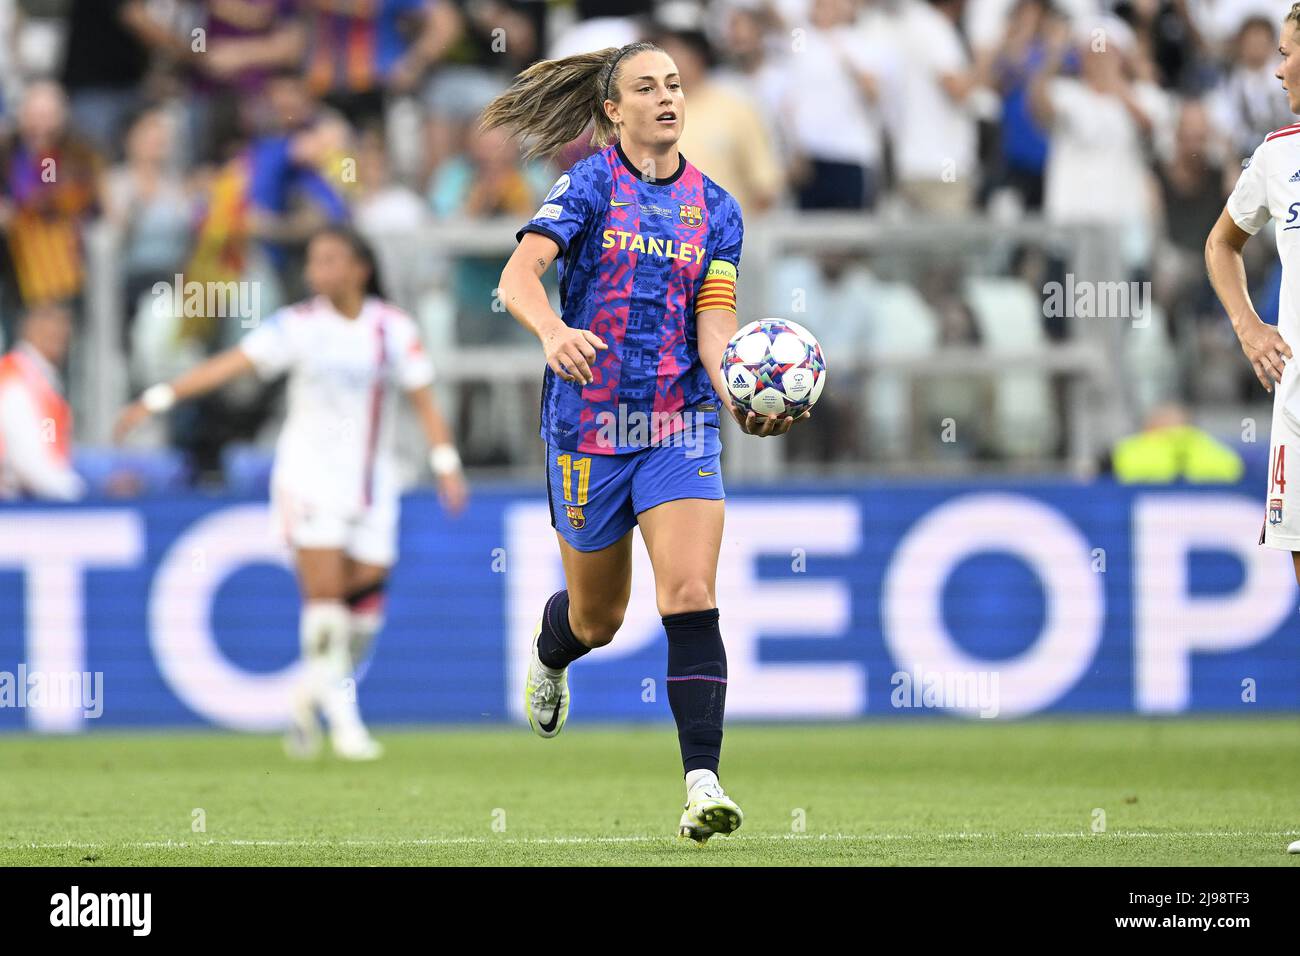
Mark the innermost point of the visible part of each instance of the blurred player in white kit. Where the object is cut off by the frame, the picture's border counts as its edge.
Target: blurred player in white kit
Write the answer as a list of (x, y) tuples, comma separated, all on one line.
[(348, 354)]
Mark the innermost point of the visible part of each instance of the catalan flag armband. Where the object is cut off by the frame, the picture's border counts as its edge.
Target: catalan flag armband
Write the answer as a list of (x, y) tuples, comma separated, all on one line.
[(719, 288)]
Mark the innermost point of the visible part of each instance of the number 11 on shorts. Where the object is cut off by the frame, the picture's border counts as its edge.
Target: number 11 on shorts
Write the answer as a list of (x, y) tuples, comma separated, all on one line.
[(568, 465)]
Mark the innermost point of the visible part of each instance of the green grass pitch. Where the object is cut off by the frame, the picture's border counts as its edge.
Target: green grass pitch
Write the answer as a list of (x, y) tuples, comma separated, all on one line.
[(1173, 791)]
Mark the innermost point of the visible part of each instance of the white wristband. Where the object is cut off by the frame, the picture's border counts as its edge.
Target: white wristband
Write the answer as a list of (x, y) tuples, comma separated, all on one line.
[(158, 398), (444, 460)]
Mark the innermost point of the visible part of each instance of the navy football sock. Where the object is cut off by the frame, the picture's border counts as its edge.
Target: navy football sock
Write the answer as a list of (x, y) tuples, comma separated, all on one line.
[(697, 685), (556, 645)]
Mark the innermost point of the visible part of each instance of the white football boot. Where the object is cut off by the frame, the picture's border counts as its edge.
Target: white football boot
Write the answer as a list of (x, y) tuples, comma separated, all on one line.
[(349, 738), (546, 696), (1294, 847), (708, 811)]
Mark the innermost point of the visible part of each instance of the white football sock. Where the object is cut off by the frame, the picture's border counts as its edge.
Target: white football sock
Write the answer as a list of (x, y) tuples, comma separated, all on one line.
[(325, 630), (364, 626)]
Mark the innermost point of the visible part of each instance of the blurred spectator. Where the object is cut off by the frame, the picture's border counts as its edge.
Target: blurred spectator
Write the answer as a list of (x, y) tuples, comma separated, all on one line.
[(489, 180), (1218, 21), (934, 150), (1170, 41), (1016, 58), (274, 193), (1246, 105), (35, 418), (953, 395), (106, 60), (1170, 449), (723, 134), (359, 49), (1100, 126), (601, 23), (1191, 203), (984, 22), (10, 74), (245, 40), (831, 112), (146, 198), (295, 170), (51, 185), (751, 70), (496, 40), (383, 204)]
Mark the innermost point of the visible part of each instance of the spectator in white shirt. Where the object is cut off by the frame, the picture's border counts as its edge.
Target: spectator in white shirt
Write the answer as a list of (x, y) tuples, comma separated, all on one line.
[(1100, 125), (832, 115), (35, 420), (935, 142)]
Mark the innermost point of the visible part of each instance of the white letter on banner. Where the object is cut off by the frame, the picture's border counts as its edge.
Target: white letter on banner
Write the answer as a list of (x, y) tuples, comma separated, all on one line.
[(1169, 624), (54, 548), (180, 616), (1039, 535), (803, 607)]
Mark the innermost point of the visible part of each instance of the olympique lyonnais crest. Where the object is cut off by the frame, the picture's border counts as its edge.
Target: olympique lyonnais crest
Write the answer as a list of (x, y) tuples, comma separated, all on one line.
[(690, 215), (1275, 511), (576, 517)]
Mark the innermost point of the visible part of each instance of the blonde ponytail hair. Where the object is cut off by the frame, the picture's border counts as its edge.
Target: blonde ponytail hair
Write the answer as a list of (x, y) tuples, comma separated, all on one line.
[(553, 101)]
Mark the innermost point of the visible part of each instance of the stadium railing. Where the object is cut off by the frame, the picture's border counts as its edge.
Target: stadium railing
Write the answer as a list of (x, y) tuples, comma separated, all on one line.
[(1078, 376)]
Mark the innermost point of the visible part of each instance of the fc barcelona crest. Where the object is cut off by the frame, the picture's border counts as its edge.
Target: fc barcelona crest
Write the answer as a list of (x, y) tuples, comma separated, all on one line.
[(576, 517), (1275, 511), (690, 215)]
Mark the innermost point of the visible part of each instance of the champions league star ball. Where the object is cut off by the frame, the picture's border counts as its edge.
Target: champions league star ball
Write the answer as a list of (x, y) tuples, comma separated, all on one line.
[(774, 367)]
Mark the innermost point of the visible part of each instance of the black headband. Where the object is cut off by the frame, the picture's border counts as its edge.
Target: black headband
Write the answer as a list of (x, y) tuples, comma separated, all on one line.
[(614, 66)]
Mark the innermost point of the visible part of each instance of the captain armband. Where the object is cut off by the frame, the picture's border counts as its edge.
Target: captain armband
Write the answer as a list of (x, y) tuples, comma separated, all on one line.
[(719, 288)]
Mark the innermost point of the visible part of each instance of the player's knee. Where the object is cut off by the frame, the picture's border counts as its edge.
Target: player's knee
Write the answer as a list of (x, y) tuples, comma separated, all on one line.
[(597, 628), (689, 594)]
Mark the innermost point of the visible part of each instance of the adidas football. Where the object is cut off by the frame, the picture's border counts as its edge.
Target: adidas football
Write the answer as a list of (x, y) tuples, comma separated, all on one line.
[(774, 367)]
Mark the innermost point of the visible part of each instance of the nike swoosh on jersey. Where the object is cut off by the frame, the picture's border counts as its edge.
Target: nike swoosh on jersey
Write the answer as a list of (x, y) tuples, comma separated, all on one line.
[(705, 474), (621, 202)]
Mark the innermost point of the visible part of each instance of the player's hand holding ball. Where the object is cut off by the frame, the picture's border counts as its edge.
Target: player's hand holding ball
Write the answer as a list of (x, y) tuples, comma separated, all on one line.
[(774, 373)]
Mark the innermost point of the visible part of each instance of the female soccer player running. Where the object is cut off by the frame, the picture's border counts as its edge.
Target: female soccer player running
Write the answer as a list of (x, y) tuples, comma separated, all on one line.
[(333, 487), (1266, 190), (648, 248)]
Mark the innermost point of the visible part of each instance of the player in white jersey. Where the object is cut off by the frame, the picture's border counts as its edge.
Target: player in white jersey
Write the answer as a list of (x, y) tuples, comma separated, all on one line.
[(1269, 188), (348, 353)]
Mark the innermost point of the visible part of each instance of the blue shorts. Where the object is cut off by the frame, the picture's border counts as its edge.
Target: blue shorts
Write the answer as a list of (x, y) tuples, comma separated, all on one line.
[(595, 499)]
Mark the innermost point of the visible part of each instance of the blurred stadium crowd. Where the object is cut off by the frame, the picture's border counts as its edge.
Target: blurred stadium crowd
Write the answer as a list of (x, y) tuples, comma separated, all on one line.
[(215, 135)]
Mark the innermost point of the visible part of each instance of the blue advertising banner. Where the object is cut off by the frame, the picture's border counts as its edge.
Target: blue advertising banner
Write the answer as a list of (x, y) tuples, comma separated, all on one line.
[(968, 599)]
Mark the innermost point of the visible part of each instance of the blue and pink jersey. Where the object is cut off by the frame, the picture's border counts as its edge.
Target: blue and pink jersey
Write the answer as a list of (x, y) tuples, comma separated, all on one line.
[(634, 254)]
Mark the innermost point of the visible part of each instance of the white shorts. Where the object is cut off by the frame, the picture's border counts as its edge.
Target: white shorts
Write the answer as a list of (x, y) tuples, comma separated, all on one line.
[(1282, 503), (368, 535)]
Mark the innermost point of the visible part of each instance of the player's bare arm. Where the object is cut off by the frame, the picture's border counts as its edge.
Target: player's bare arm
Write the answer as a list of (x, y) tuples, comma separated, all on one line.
[(444, 460), (1264, 346), (203, 378), (568, 351)]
